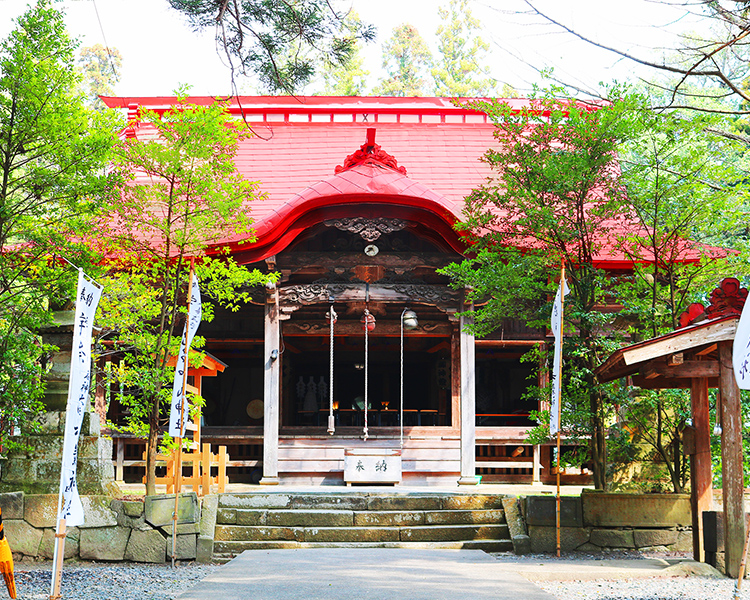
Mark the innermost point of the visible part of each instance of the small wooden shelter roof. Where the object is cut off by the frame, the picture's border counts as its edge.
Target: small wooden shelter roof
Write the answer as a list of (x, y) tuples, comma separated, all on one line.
[(674, 359), (209, 367)]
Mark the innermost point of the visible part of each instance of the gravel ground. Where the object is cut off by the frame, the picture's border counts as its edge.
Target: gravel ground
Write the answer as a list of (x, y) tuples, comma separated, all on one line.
[(124, 581), (654, 588), (91, 581)]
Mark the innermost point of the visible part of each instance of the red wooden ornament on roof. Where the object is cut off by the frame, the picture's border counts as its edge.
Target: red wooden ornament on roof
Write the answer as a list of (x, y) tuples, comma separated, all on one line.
[(370, 152), (727, 299)]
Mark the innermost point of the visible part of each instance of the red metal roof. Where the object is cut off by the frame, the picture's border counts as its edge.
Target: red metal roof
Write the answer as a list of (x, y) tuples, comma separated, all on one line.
[(299, 142)]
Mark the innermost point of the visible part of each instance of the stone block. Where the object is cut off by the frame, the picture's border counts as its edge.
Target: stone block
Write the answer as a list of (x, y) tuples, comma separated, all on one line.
[(463, 517), (655, 537), (97, 512), (204, 549), (544, 539), (542, 511), (521, 544), (327, 502), (209, 511), (11, 505), (148, 546), (636, 510), (472, 502), (454, 533), (516, 524), (40, 510), (249, 517), (255, 501), (403, 503), (612, 538), (18, 471), (22, 537), (306, 518), (159, 509), (228, 516), (684, 541), (49, 421), (234, 533), (185, 549), (182, 528), (386, 519), (132, 508), (351, 534), (72, 540), (104, 543)]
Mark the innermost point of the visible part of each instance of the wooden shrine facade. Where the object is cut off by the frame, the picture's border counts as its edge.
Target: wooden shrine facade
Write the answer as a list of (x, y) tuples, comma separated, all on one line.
[(356, 227)]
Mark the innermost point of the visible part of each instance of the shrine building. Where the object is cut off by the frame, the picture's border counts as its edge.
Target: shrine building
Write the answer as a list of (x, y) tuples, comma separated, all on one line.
[(361, 196)]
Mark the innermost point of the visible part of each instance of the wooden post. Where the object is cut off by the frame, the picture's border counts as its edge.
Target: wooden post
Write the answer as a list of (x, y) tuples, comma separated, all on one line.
[(731, 462), (468, 405), (120, 468), (455, 376), (701, 492), (271, 391), (221, 476), (536, 476)]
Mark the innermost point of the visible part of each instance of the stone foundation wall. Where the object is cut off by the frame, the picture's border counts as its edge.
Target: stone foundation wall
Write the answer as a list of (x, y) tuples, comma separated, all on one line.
[(37, 470), (601, 522), (114, 530)]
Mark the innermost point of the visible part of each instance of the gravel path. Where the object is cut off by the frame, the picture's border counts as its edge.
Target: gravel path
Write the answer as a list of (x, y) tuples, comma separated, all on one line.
[(124, 581), (87, 581), (656, 588)]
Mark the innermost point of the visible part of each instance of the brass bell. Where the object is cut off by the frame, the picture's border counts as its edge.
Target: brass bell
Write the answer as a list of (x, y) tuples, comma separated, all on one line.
[(410, 319)]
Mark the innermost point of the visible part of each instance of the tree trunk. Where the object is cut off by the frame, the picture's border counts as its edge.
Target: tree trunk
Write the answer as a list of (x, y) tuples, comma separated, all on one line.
[(151, 451), (598, 444), (152, 448)]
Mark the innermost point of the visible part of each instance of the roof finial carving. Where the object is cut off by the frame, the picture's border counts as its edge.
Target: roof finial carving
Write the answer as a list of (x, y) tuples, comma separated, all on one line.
[(727, 299), (370, 152)]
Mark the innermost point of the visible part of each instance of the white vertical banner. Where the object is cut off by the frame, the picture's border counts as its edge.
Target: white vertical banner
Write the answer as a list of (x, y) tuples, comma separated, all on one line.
[(741, 349), (176, 414), (557, 329), (87, 299)]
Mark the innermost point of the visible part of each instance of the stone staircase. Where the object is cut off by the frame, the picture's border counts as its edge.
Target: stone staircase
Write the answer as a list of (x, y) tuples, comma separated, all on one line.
[(359, 520)]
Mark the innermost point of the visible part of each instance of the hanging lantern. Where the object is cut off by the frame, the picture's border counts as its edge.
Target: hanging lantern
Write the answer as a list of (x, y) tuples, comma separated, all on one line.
[(368, 321), (410, 319)]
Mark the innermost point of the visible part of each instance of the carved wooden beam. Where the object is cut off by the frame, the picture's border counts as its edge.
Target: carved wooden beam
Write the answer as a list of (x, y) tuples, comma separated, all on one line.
[(354, 328), (344, 261), (440, 296)]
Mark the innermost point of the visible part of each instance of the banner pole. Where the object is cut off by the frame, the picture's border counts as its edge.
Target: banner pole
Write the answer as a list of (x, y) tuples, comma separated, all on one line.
[(178, 454), (69, 507), (558, 348)]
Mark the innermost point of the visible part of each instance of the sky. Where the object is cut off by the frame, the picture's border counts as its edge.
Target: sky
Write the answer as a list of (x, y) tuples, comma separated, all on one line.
[(161, 52)]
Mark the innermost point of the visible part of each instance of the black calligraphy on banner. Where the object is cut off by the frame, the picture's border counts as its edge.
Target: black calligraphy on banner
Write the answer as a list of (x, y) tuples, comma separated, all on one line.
[(178, 411), (87, 299)]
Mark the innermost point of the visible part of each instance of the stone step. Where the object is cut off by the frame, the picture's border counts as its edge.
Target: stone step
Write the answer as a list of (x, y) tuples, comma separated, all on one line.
[(361, 501), (348, 518), (226, 550), (425, 533)]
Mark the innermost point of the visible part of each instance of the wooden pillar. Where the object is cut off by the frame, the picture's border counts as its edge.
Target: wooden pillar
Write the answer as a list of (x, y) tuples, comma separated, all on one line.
[(455, 376), (731, 462), (701, 492), (468, 405), (536, 473), (271, 390)]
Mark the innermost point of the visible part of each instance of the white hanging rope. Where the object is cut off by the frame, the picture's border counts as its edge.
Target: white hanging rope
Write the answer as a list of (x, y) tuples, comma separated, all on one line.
[(331, 420), (367, 366), (401, 406)]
